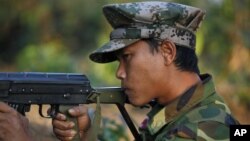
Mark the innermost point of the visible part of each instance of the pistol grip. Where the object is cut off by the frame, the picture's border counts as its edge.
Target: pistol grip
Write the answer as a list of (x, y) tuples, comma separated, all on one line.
[(64, 110)]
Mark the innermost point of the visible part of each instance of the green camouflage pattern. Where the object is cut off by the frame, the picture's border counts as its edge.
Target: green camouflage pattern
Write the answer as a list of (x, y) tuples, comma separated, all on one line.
[(199, 114), (143, 20)]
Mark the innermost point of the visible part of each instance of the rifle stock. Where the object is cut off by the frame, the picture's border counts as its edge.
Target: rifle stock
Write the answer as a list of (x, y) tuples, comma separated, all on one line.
[(22, 89)]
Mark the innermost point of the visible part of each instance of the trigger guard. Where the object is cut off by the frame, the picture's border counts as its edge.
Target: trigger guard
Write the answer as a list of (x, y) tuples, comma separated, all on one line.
[(52, 113)]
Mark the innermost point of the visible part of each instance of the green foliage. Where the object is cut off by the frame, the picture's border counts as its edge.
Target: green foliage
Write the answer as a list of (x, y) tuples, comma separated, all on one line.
[(113, 131), (104, 74), (45, 57)]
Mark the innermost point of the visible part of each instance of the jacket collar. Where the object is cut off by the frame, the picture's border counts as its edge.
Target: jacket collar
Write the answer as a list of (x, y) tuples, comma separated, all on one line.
[(160, 116)]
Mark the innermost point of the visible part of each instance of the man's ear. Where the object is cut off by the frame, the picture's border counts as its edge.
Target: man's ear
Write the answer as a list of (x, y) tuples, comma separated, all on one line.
[(168, 51)]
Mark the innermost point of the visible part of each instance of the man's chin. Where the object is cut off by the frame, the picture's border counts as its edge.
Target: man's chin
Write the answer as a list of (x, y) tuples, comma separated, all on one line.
[(136, 102)]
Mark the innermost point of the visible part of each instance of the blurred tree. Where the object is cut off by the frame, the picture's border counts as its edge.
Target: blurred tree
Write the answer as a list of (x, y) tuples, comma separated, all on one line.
[(46, 57), (33, 22)]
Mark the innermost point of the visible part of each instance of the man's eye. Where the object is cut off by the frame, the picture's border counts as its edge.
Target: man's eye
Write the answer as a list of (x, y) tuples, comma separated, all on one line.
[(126, 56)]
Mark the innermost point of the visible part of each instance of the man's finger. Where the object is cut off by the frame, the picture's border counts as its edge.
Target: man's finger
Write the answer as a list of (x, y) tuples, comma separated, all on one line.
[(63, 125), (61, 138), (61, 117), (64, 133), (4, 108), (80, 110)]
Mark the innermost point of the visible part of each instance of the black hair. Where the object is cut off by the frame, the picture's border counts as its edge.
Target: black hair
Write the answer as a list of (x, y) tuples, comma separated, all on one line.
[(185, 60)]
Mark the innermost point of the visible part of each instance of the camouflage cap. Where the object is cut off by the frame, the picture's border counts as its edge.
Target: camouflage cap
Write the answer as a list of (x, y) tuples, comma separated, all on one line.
[(144, 20)]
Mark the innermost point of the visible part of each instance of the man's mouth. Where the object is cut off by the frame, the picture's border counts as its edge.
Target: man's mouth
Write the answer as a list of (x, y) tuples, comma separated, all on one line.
[(129, 93), (126, 89)]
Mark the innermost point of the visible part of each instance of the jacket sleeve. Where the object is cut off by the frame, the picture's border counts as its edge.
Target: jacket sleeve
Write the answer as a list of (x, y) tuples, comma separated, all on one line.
[(206, 130)]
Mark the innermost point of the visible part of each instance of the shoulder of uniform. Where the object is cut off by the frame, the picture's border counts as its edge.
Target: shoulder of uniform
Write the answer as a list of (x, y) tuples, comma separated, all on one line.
[(207, 130)]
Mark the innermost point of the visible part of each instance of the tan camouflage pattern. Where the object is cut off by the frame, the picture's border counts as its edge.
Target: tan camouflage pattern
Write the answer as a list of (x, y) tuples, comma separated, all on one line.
[(199, 114), (159, 20)]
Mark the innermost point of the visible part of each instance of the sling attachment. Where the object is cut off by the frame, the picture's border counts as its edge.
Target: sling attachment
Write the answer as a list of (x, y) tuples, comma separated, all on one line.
[(96, 123)]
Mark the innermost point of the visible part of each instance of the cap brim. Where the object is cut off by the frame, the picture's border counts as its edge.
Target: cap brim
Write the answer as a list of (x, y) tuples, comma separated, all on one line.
[(106, 53)]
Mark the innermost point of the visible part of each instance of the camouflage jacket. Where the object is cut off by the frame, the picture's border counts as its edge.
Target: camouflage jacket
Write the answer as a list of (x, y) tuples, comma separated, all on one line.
[(199, 114)]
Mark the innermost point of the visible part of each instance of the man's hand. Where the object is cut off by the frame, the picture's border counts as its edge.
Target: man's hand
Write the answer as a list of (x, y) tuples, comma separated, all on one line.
[(63, 129), (13, 126)]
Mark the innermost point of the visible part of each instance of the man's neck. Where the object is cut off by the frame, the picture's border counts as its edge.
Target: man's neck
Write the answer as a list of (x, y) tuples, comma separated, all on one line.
[(178, 83)]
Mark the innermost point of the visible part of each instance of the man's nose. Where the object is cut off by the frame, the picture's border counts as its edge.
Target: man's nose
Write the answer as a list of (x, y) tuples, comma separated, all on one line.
[(120, 72)]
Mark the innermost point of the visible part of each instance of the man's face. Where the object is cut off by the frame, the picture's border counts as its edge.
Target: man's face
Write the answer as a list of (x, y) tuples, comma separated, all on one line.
[(140, 72)]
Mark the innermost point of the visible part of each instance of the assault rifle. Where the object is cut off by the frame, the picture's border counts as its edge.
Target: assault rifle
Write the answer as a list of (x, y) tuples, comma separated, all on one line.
[(22, 89)]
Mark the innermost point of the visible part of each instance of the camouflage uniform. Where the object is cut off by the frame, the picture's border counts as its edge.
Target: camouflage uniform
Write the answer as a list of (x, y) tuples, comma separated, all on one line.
[(198, 114)]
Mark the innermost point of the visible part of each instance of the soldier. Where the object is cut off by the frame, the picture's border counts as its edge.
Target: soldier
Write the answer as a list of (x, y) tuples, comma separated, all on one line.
[(154, 43)]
